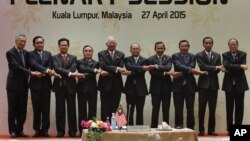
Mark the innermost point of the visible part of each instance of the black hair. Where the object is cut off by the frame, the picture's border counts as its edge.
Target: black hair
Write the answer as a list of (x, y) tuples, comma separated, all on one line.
[(208, 38), (86, 47), (182, 41), (36, 37), (159, 42), (63, 39)]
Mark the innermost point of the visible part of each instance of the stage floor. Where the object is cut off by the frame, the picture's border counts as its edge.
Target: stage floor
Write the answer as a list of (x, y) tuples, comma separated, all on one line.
[(78, 139)]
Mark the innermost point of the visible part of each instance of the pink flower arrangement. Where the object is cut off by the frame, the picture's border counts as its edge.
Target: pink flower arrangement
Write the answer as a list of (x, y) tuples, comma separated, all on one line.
[(95, 128), (96, 125)]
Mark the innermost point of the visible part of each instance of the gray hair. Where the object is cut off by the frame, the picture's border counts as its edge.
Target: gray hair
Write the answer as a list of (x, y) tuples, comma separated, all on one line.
[(20, 35), (110, 38)]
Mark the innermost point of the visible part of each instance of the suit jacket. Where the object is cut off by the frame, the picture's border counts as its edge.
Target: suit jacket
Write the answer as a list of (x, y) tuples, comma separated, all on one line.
[(160, 83), (18, 74), (211, 79), (40, 64), (184, 65), (64, 69), (235, 72), (114, 80), (137, 77), (89, 83)]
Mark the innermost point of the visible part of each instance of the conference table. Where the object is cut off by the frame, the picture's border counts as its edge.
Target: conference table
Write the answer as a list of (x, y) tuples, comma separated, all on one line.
[(184, 134)]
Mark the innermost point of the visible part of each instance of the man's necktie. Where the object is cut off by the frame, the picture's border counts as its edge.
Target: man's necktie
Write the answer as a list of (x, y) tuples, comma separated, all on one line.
[(234, 57), (41, 55), (209, 56), (136, 60), (64, 58), (112, 55), (160, 60), (22, 57)]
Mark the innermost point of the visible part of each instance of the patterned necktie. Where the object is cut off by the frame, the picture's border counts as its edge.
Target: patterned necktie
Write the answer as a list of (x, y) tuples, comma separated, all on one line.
[(186, 59), (22, 57), (89, 63), (160, 60), (64, 58), (41, 55)]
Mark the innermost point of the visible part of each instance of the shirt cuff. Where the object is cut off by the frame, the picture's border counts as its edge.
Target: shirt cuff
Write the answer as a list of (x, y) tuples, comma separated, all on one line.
[(116, 71), (157, 66)]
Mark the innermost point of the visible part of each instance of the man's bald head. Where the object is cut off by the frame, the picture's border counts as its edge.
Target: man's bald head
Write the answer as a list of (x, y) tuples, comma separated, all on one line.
[(111, 43)]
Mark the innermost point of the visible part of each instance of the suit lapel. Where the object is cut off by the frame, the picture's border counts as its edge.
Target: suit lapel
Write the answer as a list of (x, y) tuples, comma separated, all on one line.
[(231, 57), (164, 59), (214, 57), (139, 61), (88, 63), (38, 57), (18, 56), (205, 56), (184, 59), (156, 59), (59, 59), (237, 56), (109, 57)]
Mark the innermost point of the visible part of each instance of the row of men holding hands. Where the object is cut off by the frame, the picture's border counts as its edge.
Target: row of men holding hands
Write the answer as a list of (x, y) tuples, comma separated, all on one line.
[(40, 65)]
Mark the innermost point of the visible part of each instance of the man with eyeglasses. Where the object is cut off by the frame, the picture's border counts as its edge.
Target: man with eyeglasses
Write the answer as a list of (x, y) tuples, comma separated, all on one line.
[(234, 82)]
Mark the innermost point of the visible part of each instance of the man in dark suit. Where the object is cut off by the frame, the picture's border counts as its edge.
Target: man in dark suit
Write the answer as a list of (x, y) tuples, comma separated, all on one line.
[(184, 84), (65, 88), (135, 86), (160, 83), (234, 82), (40, 87), (87, 86), (110, 81), (17, 86), (208, 84)]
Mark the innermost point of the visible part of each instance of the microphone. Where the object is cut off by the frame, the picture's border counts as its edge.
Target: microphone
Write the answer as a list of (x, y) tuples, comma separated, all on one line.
[(129, 107)]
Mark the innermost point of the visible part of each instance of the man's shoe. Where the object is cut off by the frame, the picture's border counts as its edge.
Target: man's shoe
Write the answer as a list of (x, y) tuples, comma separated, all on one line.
[(21, 134), (13, 135), (72, 134), (45, 134), (201, 134), (212, 134), (179, 127), (60, 135), (36, 134), (80, 133)]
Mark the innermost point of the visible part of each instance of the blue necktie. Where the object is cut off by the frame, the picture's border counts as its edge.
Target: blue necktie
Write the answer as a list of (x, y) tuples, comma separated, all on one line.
[(22, 57), (234, 57)]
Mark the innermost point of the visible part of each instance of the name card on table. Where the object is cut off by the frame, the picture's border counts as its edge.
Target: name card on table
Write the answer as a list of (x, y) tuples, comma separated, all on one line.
[(138, 128)]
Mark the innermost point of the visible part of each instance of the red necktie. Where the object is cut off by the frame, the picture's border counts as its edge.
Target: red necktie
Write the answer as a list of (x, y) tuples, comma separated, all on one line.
[(64, 58)]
